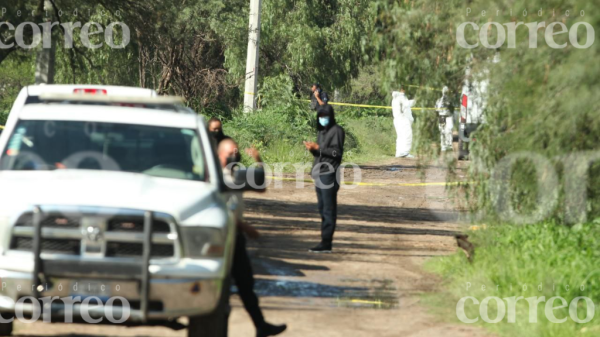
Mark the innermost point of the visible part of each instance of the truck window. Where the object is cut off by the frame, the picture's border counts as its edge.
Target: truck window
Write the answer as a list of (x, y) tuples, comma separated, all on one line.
[(152, 150)]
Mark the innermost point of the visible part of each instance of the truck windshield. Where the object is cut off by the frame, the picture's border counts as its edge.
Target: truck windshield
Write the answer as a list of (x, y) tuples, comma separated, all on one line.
[(152, 150)]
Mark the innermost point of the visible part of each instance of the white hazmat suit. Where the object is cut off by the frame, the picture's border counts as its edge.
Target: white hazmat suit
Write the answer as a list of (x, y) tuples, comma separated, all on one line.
[(403, 119), (446, 122)]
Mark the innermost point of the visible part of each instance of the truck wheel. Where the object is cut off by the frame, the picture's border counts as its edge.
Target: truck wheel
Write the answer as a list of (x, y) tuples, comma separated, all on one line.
[(212, 325), (463, 152), (6, 329), (215, 323)]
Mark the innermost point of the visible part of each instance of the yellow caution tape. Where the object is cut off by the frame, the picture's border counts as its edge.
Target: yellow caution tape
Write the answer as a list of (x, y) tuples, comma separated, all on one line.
[(376, 184), (249, 93), (356, 105), (475, 228), (370, 106), (361, 105), (381, 106)]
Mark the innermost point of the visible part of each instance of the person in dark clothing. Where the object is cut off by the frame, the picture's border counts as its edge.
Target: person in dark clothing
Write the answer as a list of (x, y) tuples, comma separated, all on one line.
[(243, 275), (328, 152), (241, 269), (318, 97), (215, 128)]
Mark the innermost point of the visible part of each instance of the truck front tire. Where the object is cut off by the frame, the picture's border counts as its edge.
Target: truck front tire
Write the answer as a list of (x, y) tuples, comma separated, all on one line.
[(6, 329)]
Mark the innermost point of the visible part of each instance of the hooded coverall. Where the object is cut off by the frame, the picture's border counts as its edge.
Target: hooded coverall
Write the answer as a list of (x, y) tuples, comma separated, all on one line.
[(446, 122), (403, 119)]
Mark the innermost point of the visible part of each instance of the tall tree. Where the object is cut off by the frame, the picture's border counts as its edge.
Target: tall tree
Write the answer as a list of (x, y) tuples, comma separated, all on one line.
[(307, 40)]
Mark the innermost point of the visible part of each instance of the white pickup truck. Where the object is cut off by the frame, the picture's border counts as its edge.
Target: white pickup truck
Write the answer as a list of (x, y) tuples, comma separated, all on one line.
[(117, 202)]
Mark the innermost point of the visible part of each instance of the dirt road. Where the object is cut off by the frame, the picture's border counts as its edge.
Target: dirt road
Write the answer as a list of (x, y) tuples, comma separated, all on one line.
[(372, 283)]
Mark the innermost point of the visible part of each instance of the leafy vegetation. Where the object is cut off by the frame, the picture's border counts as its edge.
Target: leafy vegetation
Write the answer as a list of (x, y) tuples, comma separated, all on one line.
[(283, 122), (544, 259), (197, 49), (541, 104), (14, 75)]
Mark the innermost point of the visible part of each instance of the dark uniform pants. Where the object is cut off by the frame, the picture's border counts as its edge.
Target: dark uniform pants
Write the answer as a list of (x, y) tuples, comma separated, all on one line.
[(244, 280), (327, 191)]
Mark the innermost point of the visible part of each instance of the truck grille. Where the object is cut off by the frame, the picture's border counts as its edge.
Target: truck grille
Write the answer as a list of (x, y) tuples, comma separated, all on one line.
[(128, 249), (26, 220), (118, 236), (136, 225), (54, 246)]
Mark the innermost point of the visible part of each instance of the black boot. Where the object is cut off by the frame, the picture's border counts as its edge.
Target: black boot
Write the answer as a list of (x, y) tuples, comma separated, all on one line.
[(270, 330), (321, 248)]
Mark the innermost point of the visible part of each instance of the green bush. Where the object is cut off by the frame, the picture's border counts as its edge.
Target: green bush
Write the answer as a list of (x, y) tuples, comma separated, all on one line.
[(368, 138), (273, 133), (277, 94), (278, 128), (16, 72), (3, 117), (283, 122), (511, 257)]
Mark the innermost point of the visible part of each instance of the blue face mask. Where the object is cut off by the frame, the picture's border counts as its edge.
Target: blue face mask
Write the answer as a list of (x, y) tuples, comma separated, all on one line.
[(324, 121)]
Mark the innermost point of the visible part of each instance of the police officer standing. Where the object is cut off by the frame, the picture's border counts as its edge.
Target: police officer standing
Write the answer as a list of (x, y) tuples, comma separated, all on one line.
[(328, 152), (215, 128), (318, 97)]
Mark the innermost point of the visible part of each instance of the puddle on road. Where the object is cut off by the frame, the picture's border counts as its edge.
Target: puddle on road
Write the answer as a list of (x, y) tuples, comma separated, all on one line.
[(381, 294), (351, 293)]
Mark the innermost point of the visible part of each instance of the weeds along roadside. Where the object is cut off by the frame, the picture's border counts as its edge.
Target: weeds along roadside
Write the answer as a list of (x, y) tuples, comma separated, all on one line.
[(278, 136), (517, 261)]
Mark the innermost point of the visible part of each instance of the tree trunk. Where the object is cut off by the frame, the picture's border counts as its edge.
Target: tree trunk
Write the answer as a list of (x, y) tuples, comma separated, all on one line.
[(44, 68)]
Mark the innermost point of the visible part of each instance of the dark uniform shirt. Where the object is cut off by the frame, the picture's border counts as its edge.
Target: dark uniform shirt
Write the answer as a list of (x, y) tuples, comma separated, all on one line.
[(314, 104)]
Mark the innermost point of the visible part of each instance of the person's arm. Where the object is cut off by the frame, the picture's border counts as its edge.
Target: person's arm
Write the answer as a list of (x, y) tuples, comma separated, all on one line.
[(314, 151), (312, 147), (253, 152), (318, 97)]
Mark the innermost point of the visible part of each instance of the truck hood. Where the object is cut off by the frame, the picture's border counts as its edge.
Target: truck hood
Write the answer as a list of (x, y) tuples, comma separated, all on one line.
[(182, 199)]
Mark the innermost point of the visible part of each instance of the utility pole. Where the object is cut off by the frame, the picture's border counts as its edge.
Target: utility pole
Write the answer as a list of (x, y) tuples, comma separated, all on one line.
[(252, 60), (44, 66)]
